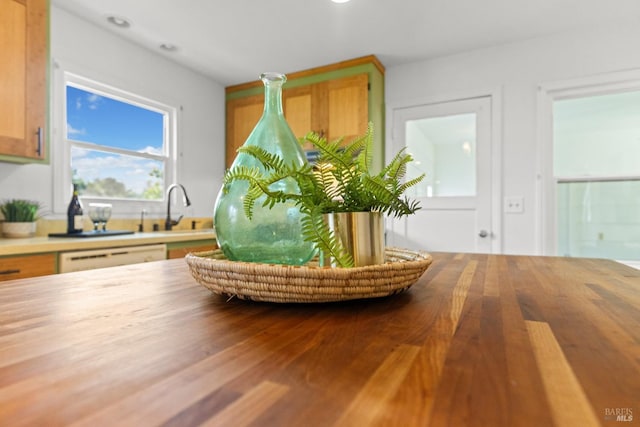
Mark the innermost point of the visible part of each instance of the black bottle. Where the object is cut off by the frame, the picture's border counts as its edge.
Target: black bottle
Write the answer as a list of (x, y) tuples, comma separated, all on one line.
[(74, 214)]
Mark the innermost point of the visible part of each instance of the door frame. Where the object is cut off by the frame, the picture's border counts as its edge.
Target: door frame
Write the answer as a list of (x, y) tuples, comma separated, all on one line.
[(495, 96), (546, 217)]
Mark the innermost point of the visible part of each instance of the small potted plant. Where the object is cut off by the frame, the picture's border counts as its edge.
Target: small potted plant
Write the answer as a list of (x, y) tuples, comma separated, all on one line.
[(20, 217), (336, 195)]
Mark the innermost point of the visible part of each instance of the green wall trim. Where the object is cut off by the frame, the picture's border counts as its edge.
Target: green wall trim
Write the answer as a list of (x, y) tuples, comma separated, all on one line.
[(316, 78)]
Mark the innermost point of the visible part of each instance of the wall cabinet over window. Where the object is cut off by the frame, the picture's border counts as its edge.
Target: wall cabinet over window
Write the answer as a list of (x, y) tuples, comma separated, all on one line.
[(336, 100), (23, 55)]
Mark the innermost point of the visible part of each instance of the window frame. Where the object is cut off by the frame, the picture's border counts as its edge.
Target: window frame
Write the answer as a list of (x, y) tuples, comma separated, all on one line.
[(547, 94), (61, 159)]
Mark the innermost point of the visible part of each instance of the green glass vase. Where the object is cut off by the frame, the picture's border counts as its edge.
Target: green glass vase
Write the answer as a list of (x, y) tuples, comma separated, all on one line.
[(273, 234)]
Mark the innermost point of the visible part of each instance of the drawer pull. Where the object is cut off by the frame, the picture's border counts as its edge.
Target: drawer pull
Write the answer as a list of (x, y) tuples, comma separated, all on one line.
[(9, 271)]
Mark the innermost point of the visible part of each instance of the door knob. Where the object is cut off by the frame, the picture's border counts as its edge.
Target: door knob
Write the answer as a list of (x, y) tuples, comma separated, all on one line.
[(483, 233)]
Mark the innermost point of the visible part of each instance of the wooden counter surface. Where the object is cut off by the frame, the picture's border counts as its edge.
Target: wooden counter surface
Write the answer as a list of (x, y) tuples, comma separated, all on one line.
[(480, 340), (34, 245)]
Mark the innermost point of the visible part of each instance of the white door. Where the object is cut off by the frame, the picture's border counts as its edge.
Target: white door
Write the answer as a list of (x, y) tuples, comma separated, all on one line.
[(451, 143)]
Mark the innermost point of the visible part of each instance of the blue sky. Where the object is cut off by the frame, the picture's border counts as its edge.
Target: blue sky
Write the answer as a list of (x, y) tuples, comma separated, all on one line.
[(106, 121)]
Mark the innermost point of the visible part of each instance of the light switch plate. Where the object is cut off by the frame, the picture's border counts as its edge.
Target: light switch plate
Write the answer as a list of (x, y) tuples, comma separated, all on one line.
[(514, 204)]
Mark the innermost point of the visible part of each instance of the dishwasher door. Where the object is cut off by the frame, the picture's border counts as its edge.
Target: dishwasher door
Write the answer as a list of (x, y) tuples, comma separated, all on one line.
[(111, 257)]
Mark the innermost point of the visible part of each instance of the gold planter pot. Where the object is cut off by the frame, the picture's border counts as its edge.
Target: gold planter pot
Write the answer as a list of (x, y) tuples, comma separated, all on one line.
[(361, 233)]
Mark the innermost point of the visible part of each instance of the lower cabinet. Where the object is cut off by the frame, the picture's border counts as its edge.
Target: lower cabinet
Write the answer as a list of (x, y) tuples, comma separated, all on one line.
[(180, 252), (42, 264), (18, 267)]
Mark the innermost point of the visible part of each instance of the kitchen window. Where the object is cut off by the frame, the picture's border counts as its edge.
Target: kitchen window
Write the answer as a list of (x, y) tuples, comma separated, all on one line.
[(118, 146)]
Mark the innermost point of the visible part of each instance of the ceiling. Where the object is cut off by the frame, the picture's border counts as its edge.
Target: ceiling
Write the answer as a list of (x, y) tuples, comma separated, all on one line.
[(234, 41)]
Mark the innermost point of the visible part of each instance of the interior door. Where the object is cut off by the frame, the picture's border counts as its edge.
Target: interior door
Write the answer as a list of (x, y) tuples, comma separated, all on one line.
[(450, 143)]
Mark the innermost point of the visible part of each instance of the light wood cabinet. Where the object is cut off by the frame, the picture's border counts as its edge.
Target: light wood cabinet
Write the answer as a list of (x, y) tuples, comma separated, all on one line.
[(180, 252), (23, 55), (335, 101), (334, 108), (242, 116), (18, 267)]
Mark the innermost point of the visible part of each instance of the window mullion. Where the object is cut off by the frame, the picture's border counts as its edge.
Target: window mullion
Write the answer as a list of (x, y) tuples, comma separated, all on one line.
[(115, 150)]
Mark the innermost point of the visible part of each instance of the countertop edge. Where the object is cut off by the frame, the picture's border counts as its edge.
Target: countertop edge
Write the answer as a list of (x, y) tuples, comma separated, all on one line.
[(34, 245)]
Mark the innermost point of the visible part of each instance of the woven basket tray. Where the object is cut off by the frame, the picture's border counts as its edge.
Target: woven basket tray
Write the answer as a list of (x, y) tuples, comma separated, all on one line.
[(308, 283)]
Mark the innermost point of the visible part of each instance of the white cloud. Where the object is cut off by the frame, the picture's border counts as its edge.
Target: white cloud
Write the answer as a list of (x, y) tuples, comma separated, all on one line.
[(151, 150), (134, 172), (73, 131), (93, 101), (139, 171)]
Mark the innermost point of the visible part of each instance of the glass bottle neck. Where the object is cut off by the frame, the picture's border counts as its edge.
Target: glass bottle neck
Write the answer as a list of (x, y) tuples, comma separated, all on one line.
[(273, 92), (273, 99)]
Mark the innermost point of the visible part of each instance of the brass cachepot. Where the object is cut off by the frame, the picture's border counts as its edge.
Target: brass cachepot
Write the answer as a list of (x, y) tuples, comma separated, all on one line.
[(361, 233)]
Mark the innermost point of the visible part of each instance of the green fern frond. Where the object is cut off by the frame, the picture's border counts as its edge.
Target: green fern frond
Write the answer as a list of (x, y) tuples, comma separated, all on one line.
[(241, 173), (316, 230), (323, 173), (408, 184), (379, 189), (270, 161), (253, 193), (330, 152), (397, 167), (364, 145)]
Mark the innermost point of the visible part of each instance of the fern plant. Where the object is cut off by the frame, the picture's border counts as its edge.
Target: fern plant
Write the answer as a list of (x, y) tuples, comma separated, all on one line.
[(341, 181)]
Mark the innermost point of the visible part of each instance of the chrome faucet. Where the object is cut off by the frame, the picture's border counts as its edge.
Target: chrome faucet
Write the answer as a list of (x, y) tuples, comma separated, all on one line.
[(169, 222)]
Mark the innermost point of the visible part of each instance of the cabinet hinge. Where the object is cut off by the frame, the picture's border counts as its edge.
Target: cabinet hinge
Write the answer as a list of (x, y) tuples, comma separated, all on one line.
[(369, 86)]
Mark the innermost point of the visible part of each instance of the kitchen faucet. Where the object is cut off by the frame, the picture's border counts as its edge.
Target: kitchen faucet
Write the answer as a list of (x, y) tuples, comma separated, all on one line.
[(169, 222)]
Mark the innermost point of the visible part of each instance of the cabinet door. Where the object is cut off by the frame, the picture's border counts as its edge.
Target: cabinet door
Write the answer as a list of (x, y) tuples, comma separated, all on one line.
[(347, 107), (297, 104), (182, 252), (22, 77), (18, 267), (242, 116), (334, 108)]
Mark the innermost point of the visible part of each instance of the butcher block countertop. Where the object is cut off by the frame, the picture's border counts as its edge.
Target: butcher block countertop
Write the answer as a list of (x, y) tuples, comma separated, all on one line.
[(479, 340)]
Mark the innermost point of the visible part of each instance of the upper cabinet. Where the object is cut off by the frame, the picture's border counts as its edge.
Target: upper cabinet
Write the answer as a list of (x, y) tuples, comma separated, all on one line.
[(334, 108), (23, 55), (336, 100)]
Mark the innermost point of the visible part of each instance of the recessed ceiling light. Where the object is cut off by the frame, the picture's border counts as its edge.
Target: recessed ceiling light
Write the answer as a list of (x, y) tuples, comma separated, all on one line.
[(168, 47), (339, 1), (118, 21)]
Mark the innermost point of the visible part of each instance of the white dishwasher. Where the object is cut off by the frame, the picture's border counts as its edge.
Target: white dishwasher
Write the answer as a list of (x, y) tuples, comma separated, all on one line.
[(111, 257)]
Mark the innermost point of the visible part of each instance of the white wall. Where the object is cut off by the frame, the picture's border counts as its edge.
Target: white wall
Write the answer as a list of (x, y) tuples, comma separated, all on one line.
[(201, 132), (517, 69)]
